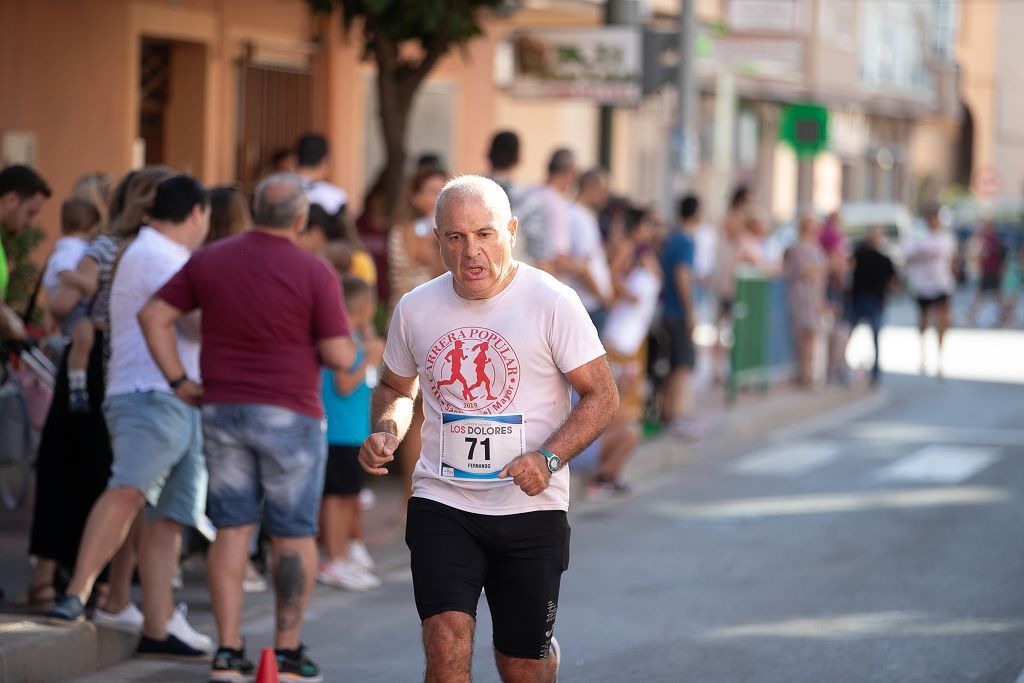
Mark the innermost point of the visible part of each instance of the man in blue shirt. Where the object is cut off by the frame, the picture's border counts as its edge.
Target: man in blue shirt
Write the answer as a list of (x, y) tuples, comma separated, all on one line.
[(678, 318)]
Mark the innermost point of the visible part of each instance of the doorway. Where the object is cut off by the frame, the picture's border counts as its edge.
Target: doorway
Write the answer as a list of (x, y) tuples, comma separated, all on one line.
[(172, 102)]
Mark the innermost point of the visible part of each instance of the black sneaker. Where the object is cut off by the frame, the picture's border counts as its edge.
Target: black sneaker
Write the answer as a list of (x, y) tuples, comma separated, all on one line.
[(170, 648), (67, 610), (294, 665), (78, 401), (231, 666)]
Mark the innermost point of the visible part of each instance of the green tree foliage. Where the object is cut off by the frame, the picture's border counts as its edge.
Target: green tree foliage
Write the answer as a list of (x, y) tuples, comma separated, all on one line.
[(389, 28), (18, 246)]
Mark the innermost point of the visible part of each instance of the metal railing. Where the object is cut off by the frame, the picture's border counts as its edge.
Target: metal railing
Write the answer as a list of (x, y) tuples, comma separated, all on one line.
[(762, 343)]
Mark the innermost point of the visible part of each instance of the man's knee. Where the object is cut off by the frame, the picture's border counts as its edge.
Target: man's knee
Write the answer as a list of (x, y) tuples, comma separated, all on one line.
[(126, 497), (448, 634), (517, 670)]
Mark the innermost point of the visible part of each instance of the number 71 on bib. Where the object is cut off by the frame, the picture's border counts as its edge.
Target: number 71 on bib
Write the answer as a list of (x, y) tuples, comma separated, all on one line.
[(479, 446)]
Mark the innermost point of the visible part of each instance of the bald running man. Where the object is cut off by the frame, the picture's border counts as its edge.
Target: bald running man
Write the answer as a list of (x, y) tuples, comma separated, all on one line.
[(491, 487)]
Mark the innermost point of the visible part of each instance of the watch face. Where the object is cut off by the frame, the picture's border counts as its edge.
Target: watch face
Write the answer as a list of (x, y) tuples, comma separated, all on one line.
[(554, 463)]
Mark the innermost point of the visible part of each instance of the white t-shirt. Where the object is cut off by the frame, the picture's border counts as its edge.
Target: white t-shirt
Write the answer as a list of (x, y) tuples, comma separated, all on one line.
[(522, 341), (930, 264), (145, 266), (67, 252), (705, 243), (629, 322), (585, 245), (327, 195), (556, 210)]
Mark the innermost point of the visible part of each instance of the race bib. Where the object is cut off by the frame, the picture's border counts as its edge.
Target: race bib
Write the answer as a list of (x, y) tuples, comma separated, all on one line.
[(479, 446)]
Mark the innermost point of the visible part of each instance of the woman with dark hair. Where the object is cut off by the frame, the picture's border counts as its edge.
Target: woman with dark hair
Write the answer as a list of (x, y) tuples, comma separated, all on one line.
[(229, 213)]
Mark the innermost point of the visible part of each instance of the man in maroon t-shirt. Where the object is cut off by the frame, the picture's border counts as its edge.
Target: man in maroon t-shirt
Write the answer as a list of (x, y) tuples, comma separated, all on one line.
[(271, 315)]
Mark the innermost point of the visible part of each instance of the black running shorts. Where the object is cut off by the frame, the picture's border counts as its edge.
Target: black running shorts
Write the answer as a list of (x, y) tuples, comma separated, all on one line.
[(682, 351), (924, 303), (343, 476), (517, 559)]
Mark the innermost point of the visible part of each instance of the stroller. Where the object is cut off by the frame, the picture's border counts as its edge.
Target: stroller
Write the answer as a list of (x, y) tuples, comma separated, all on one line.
[(26, 389)]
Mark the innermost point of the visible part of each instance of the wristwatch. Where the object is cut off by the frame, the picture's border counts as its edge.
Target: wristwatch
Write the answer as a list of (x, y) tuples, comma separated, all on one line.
[(175, 383), (554, 462)]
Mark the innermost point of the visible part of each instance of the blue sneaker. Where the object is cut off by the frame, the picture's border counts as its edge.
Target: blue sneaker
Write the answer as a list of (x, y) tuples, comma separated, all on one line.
[(231, 666), (67, 610), (170, 648), (294, 665)]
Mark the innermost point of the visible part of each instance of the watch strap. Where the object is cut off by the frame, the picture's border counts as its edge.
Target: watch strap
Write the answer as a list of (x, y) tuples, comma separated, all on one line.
[(549, 456), (175, 383)]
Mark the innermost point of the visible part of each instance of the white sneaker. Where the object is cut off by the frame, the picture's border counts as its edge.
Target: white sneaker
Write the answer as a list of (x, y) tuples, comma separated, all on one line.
[(253, 581), (360, 554), (178, 626), (367, 499), (347, 575), (556, 650), (128, 619)]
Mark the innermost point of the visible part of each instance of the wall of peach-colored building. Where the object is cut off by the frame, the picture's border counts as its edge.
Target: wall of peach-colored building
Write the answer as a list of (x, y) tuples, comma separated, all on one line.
[(977, 52), (1009, 123), (69, 74), (63, 77)]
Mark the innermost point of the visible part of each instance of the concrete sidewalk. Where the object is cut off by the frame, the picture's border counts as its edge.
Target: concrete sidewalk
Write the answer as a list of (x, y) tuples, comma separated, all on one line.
[(32, 650)]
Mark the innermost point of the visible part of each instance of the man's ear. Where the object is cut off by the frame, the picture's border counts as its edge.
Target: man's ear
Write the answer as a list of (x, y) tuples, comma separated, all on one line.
[(9, 202), (513, 227)]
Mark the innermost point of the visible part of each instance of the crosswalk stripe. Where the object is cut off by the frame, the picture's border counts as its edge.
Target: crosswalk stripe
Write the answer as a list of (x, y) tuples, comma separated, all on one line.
[(788, 460), (922, 433), (940, 464)]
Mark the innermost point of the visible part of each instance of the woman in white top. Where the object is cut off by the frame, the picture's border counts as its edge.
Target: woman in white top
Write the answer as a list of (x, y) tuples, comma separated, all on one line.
[(930, 270)]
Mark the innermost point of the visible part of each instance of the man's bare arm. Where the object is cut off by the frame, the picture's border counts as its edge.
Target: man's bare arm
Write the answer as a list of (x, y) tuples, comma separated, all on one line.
[(599, 401), (392, 403), (390, 416)]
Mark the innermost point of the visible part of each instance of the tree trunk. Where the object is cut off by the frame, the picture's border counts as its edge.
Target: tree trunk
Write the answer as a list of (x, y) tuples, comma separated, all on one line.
[(395, 92)]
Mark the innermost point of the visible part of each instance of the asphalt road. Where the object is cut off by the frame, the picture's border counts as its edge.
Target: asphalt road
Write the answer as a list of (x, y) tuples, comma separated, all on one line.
[(883, 547), (876, 547)]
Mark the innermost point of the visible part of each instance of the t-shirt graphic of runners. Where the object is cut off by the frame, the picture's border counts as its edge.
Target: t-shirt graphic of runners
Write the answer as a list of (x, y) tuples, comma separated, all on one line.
[(455, 357), (482, 360)]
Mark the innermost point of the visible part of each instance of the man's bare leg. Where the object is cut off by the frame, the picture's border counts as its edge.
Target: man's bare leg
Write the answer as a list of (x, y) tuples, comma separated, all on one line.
[(105, 531), (448, 646), (122, 567), (226, 563), (514, 670), (158, 559), (295, 564)]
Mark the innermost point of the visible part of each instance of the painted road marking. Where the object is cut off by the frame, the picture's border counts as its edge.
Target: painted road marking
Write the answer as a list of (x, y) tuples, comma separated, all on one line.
[(816, 504), (788, 460), (924, 433), (940, 464)]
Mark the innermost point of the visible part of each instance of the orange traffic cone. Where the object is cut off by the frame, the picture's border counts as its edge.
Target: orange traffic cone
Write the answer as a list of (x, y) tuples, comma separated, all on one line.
[(267, 673)]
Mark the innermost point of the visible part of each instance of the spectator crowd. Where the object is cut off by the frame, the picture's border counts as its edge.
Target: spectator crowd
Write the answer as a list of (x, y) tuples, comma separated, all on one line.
[(210, 335)]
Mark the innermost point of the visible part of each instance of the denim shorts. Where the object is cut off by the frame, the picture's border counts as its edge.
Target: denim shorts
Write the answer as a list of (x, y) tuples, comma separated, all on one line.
[(263, 456), (158, 449)]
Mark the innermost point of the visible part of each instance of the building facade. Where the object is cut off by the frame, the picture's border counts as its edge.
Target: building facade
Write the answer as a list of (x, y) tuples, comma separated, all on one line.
[(992, 83)]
